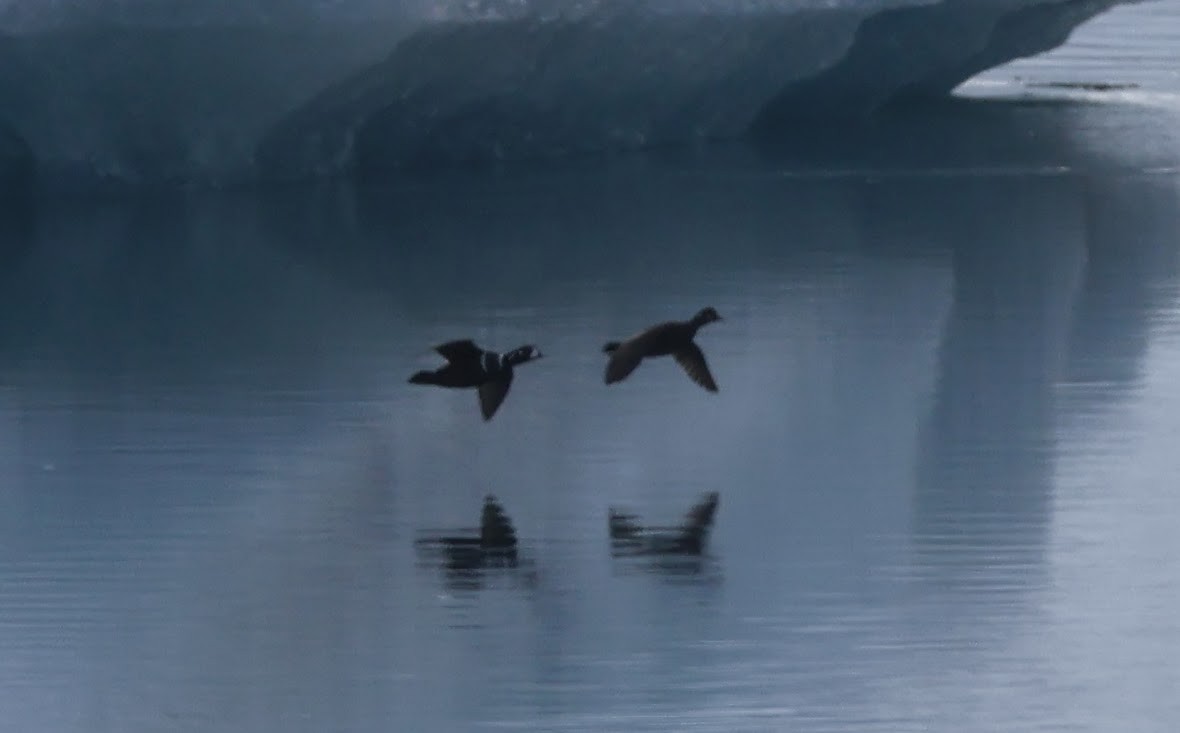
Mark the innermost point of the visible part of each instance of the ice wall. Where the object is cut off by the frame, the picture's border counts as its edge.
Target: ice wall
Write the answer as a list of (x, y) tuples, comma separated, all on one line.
[(131, 92)]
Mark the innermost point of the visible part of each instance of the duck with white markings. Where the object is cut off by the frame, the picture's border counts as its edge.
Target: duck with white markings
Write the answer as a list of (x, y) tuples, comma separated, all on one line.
[(470, 366)]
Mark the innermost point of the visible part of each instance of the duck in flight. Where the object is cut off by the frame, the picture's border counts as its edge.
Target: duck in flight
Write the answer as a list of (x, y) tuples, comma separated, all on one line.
[(673, 338), (470, 366)]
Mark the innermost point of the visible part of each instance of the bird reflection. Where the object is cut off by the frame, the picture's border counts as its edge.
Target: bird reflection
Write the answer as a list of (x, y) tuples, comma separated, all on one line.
[(689, 539), (465, 553)]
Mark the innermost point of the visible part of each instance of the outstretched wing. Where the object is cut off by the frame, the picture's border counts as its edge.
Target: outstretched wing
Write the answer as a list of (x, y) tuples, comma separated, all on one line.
[(461, 350), (623, 360), (495, 528), (700, 516), (492, 394), (692, 361)]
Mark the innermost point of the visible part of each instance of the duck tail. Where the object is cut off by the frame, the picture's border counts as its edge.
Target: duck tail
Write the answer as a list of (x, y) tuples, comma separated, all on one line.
[(423, 377), (611, 347), (623, 527)]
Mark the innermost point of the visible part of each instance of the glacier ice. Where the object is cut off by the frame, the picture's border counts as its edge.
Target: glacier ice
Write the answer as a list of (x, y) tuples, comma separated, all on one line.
[(145, 91)]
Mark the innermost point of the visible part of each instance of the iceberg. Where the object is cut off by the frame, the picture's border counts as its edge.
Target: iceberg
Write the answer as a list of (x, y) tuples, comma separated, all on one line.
[(128, 92)]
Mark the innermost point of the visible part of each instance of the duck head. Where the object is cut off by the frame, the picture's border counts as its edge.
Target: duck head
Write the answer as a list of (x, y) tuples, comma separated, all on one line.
[(521, 354), (705, 315)]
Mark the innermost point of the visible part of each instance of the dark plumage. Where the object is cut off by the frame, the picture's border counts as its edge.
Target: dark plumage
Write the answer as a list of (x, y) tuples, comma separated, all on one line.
[(690, 538), (673, 338), (470, 366)]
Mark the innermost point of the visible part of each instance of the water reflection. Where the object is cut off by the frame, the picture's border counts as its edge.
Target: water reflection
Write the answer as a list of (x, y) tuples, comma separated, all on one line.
[(982, 499), (628, 536), (1061, 307), (1127, 281), (213, 474), (468, 555), (677, 554)]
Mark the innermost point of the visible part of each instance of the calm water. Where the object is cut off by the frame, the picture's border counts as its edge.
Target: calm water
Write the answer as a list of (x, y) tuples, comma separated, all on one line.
[(944, 443)]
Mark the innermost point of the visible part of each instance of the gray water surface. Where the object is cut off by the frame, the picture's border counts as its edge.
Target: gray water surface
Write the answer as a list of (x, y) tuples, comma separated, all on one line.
[(944, 444)]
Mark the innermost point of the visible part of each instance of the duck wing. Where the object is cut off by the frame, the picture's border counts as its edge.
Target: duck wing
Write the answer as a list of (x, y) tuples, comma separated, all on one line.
[(458, 351), (692, 360), (700, 516), (623, 360), (492, 394)]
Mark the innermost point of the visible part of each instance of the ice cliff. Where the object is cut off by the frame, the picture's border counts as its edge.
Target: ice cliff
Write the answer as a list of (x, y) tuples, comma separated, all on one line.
[(127, 93)]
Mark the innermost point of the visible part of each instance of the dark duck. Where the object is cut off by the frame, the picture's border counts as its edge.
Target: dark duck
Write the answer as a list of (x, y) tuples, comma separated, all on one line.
[(470, 366), (627, 535), (674, 338)]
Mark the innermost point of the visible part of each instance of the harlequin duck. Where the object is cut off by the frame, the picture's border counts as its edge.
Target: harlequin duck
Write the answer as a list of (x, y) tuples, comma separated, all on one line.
[(470, 366)]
